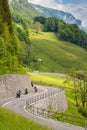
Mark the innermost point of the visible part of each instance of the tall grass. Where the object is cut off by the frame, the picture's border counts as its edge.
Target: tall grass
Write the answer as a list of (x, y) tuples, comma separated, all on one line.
[(47, 79), (12, 121)]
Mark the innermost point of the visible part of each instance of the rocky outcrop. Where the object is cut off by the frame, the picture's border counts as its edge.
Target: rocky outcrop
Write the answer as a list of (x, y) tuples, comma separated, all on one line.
[(10, 84)]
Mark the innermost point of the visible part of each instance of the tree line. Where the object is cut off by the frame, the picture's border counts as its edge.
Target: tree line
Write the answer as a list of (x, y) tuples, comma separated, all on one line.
[(23, 35), (66, 32)]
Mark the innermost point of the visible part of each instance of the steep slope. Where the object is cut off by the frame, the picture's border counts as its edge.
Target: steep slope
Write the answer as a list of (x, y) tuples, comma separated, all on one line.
[(48, 52), (8, 41), (57, 56), (28, 11), (23, 9), (11, 47)]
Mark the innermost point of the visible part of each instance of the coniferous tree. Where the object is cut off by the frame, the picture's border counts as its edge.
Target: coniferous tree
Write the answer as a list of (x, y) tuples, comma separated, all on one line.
[(5, 14), (9, 46)]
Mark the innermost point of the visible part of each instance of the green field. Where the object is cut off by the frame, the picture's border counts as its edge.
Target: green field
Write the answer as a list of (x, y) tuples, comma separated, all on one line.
[(46, 79), (12, 121), (57, 56)]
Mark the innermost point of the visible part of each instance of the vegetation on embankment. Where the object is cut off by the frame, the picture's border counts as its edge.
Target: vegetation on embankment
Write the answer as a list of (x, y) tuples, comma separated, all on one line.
[(57, 81), (12, 121)]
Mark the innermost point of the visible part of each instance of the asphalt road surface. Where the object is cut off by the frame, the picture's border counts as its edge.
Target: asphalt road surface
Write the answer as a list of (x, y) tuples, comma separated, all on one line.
[(18, 105)]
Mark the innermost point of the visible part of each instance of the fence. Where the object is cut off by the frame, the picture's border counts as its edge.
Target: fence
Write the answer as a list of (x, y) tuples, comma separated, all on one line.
[(43, 96), (53, 115)]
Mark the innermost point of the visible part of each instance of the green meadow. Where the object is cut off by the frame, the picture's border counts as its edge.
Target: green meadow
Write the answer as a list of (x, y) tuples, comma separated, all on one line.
[(47, 79), (12, 121), (57, 56)]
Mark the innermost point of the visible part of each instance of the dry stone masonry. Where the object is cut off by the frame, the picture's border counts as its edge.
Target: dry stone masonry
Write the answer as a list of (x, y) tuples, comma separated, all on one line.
[(11, 83), (56, 102)]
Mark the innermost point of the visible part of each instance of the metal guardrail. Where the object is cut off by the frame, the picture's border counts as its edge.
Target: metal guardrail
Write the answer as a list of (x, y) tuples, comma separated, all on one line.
[(43, 96), (77, 121), (53, 115)]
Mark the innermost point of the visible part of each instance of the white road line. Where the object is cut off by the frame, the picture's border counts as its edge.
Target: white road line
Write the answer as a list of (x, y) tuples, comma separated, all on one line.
[(34, 115), (60, 124), (45, 90)]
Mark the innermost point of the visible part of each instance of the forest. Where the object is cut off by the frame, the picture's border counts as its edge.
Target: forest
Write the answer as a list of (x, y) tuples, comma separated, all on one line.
[(65, 32)]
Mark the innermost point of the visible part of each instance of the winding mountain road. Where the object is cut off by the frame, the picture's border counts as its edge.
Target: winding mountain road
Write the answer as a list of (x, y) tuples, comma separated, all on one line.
[(18, 106)]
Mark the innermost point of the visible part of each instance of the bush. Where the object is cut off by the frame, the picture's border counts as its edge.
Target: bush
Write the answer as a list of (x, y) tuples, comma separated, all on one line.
[(83, 111)]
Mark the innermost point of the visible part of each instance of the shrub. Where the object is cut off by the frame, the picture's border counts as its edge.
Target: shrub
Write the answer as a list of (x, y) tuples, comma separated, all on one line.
[(83, 111)]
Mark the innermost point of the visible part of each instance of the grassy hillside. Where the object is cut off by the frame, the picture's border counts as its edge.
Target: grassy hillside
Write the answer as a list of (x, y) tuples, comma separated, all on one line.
[(57, 56), (11, 121), (21, 8)]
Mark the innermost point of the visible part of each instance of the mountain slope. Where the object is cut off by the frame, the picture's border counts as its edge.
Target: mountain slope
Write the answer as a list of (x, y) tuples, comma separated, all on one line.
[(23, 9), (57, 56), (49, 12), (28, 11)]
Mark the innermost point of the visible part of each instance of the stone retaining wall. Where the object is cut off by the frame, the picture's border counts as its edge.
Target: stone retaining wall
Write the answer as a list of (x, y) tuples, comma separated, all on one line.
[(56, 102), (11, 83)]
